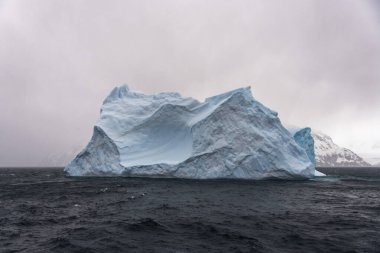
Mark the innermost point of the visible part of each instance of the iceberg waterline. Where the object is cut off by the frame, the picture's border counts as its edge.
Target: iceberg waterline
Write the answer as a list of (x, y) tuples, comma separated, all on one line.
[(165, 135)]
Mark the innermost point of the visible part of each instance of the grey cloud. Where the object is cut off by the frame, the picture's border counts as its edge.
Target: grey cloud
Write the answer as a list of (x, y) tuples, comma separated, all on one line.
[(376, 146), (315, 62)]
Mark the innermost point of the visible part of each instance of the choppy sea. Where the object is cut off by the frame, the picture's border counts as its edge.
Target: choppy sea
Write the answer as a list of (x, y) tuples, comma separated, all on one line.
[(42, 210)]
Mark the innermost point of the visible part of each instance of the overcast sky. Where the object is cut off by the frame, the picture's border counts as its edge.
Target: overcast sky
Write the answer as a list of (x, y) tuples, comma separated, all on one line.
[(316, 62)]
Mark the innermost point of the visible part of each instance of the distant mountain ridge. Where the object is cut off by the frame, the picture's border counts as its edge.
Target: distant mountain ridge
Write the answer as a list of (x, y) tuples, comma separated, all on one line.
[(329, 154)]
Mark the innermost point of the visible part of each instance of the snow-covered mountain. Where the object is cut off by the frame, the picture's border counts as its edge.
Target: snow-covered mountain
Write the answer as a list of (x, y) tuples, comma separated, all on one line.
[(165, 135), (329, 154)]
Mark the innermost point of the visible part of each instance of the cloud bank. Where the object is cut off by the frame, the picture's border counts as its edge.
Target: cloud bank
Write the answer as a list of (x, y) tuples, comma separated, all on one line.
[(315, 62)]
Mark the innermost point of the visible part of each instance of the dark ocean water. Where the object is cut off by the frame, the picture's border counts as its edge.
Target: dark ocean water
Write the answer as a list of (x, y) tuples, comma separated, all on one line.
[(41, 210)]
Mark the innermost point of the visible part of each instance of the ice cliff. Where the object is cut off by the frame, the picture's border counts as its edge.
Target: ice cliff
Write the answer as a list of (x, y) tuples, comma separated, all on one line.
[(165, 135), (304, 138)]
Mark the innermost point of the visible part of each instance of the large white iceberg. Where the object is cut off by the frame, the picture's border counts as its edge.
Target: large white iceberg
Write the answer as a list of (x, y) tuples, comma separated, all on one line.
[(165, 135)]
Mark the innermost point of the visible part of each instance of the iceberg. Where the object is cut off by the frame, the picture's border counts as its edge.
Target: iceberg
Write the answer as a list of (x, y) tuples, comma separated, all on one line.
[(304, 138), (230, 135)]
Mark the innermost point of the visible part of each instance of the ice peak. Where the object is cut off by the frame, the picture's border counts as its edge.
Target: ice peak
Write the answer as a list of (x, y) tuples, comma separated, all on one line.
[(243, 90), (117, 93)]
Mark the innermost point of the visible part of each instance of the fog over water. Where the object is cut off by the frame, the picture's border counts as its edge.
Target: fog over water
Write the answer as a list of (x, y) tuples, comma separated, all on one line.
[(315, 62)]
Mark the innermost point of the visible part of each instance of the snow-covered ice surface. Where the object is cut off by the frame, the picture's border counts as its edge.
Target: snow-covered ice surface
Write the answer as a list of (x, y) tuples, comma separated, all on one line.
[(165, 135), (319, 174)]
